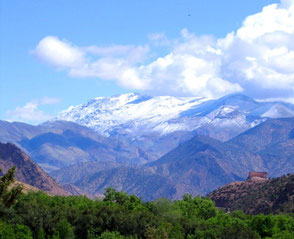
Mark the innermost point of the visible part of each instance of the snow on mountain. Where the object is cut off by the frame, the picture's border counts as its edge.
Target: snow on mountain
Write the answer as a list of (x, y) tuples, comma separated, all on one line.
[(279, 111), (133, 112), (137, 115)]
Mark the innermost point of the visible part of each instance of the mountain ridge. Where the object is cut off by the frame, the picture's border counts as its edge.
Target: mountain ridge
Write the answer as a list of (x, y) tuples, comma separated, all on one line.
[(27, 171), (198, 165), (60, 143), (137, 115)]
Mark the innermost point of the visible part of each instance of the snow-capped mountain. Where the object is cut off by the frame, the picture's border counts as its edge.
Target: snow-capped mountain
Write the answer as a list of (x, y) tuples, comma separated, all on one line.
[(139, 115), (133, 112)]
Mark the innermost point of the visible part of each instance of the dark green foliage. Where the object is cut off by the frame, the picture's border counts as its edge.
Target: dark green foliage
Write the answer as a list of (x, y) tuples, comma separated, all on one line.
[(120, 216), (8, 196), (110, 235), (8, 231)]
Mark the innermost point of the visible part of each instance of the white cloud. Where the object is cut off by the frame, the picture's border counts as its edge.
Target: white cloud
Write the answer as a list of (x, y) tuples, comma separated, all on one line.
[(257, 59), (159, 39), (30, 112), (260, 55), (58, 53), (133, 54)]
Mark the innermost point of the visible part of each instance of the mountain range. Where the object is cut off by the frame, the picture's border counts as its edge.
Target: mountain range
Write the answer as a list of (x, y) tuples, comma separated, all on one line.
[(160, 146), (196, 166), (136, 129), (138, 115), (159, 124), (58, 144)]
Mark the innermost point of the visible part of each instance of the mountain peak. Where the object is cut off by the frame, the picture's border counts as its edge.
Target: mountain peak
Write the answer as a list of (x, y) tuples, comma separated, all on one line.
[(143, 112), (135, 114)]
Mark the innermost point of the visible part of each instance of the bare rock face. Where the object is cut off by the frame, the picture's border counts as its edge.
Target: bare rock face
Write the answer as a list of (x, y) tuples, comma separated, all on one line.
[(28, 171)]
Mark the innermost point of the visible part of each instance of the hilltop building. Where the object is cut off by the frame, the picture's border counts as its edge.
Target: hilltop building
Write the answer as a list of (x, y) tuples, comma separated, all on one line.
[(257, 176)]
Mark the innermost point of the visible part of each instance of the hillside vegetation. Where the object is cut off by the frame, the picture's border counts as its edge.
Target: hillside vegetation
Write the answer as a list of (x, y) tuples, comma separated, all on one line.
[(271, 196)]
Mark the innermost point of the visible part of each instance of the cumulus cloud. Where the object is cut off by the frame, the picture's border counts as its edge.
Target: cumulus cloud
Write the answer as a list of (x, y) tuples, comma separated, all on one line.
[(260, 55), (132, 54), (59, 53), (30, 112), (257, 59)]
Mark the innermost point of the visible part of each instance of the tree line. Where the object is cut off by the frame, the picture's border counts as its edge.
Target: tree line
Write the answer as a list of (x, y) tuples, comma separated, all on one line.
[(119, 215)]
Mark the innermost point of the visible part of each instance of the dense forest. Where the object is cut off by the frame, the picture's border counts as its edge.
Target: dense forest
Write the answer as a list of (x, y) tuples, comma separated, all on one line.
[(118, 215)]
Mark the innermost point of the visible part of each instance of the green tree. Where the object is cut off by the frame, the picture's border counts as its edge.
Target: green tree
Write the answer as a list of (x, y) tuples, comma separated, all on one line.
[(110, 235), (65, 229), (8, 231), (263, 225), (8, 196), (129, 202), (197, 207)]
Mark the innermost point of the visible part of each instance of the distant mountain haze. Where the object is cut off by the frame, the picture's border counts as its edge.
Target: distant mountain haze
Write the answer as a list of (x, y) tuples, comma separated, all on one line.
[(57, 144)]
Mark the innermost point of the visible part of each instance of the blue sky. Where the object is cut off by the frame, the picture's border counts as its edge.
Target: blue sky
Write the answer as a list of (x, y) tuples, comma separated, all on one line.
[(54, 54)]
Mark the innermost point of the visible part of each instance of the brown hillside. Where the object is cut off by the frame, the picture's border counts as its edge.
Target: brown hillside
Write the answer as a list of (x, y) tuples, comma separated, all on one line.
[(27, 170), (257, 196), (25, 187)]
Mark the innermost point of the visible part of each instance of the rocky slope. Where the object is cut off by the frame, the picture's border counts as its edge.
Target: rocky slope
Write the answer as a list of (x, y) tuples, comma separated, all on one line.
[(132, 180), (28, 171), (202, 164), (66, 175), (76, 191), (198, 165), (94, 177), (270, 196)]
